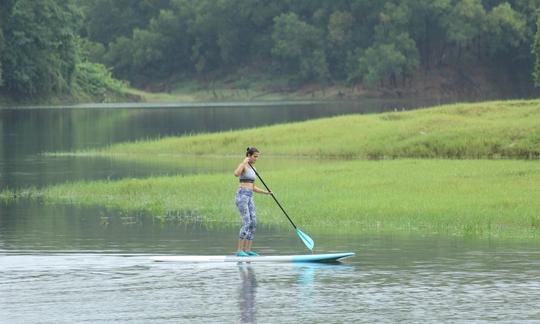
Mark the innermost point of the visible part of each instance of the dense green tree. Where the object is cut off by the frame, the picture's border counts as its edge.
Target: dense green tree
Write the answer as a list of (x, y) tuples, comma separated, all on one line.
[(120, 58), (536, 52), (340, 28), (5, 11), (297, 47), (380, 61), (40, 52), (339, 41), (157, 52), (216, 36), (225, 31), (393, 54), (162, 49), (506, 29), (528, 9), (1, 51), (305, 39), (144, 41), (428, 30), (107, 20), (465, 24), (386, 61), (92, 51)]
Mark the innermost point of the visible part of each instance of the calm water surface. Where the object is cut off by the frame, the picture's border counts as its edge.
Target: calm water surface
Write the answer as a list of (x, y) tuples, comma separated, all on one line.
[(25, 133), (65, 264)]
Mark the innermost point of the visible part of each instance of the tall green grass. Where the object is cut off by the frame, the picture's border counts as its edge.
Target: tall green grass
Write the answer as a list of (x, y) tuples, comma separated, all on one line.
[(481, 198), (503, 129)]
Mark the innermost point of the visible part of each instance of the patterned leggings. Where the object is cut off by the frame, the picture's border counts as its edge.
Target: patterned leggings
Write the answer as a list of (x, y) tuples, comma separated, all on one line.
[(246, 207)]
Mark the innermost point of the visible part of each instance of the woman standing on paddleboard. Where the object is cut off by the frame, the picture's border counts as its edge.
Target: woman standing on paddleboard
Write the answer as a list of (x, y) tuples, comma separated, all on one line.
[(245, 203)]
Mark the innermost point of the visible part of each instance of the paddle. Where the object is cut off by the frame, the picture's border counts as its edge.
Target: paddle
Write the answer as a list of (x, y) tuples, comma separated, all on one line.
[(308, 242)]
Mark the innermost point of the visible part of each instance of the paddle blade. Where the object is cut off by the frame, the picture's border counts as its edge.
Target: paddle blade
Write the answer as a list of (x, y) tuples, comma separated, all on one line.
[(309, 243)]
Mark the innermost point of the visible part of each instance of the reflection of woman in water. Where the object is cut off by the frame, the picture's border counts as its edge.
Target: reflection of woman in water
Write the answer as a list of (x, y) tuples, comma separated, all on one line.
[(245, 203), (247, 294)]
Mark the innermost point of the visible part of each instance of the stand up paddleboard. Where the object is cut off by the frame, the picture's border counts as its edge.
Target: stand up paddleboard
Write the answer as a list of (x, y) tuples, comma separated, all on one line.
[(333, 257)]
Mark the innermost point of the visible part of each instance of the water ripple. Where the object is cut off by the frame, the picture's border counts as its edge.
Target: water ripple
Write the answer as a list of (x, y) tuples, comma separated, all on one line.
[(95, 287)]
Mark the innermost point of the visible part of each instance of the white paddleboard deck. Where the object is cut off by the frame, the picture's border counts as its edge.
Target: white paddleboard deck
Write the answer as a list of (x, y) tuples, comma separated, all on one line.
[(330, 257)]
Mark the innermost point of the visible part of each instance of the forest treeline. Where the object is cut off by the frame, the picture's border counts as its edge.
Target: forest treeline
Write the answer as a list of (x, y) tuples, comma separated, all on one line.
[(48, 46), (41, 54)]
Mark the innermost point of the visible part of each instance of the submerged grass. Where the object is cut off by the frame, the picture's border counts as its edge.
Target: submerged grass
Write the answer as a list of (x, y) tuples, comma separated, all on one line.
[(457, 197), (463, 196), (501, 129)]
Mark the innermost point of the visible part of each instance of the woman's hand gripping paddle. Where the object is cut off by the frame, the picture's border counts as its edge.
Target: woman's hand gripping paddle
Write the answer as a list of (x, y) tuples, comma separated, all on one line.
[(308, 242)]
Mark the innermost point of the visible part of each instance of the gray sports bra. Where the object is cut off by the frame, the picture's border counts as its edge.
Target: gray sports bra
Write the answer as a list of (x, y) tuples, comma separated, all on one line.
[(248, 175)]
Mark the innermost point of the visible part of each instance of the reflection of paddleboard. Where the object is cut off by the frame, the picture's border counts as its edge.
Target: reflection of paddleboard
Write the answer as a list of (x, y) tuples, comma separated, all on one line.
[(333, 257)]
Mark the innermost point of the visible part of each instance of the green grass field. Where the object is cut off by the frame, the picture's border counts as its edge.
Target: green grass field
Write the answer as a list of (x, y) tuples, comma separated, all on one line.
[(482, 198), (468, 169), (504, 129)]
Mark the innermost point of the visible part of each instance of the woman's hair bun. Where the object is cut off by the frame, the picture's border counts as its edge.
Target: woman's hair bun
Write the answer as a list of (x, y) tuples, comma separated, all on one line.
[(251, 150)]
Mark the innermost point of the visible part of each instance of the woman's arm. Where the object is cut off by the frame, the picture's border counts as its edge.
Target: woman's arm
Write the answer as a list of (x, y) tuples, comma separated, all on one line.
[(241, 167), (259, 190)]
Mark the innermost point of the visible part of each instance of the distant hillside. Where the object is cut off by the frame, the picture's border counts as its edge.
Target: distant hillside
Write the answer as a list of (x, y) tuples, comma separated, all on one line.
[(456, 48), (75, 50), (443, 84)]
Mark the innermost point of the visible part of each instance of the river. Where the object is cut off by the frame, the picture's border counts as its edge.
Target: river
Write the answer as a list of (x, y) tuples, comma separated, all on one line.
[(67, 264)]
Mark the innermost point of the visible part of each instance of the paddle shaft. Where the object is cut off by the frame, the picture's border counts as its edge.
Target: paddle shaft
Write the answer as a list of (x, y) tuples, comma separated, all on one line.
[(272, 194)]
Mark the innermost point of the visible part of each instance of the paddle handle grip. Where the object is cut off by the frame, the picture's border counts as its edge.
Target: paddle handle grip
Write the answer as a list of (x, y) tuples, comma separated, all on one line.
[(272, 194)]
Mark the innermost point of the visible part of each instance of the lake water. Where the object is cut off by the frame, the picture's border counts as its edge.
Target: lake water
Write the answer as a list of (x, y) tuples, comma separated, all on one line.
[(25, 133), (66, 264)]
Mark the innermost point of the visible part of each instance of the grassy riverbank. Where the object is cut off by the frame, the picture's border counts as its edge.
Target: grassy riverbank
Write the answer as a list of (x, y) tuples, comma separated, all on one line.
[(250, 86), (501, 129), (481, 177), (482, 198)]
